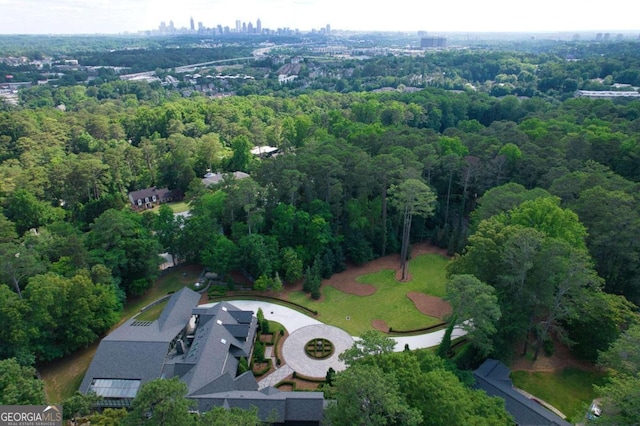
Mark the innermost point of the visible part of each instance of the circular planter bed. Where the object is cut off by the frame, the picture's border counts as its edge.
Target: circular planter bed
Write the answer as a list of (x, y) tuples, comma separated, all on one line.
[(319, 348)]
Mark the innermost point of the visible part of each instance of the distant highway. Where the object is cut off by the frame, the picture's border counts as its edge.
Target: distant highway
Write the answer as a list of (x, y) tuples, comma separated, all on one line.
[(184, 68)]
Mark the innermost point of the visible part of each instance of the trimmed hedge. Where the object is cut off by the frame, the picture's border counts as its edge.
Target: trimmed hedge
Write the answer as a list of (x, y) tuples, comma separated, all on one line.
[(309, 379), (286, 383), (264, 370), (417, 330), (268, 299)]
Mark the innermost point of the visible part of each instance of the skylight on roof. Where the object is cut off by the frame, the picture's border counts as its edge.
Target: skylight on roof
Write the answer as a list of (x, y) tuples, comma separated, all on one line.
[(219, 322), (224, 308), (223, 341), (115, 388)]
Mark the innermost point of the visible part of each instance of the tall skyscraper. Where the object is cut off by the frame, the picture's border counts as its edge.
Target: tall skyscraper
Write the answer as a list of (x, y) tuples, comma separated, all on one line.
[(171, 26), (193, 24), (328, 29), (238, 26), (244, 27), (250, 28), (259, 26)]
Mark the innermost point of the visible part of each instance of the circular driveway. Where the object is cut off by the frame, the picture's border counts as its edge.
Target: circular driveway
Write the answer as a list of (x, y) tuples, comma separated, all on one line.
[(295, 356)]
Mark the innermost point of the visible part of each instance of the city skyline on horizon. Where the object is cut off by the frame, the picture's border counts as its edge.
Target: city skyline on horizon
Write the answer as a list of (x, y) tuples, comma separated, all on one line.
[(132, 16)]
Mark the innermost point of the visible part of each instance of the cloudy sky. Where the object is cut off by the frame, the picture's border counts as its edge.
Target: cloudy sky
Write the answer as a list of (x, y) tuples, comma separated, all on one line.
[(116, 16)]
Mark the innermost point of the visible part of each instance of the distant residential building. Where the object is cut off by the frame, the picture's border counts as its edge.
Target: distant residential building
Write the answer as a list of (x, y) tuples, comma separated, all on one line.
[(264, 151), (433, 42), (284, 79), (149, 197), (216, 178), (606, 94)]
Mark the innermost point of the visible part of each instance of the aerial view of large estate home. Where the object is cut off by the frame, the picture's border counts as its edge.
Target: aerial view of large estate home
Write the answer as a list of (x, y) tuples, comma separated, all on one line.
[(299, 221)]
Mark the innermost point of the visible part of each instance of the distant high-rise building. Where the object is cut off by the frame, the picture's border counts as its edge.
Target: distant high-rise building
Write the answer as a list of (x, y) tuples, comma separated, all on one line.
[(171, 26), (238, 26), (200, 26), (328, 29), (244, 27), (259, 26), (431, 42), (220, 30), (250, 28), (193, 25), (163, 27)]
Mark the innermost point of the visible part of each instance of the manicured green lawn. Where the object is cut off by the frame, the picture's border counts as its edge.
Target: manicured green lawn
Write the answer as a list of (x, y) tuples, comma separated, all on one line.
[(179, 207), (570, 391), (388, 303), (429, 274), (153, 313)]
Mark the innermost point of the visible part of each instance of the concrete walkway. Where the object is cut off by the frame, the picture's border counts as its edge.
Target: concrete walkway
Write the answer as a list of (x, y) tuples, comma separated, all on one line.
[(275, 377)]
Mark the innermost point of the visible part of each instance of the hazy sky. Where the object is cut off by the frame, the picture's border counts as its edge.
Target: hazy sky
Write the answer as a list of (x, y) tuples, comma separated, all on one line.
[(115, 16)]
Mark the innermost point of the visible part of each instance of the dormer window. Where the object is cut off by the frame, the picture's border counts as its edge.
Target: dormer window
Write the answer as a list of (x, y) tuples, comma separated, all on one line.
[(154, 198)]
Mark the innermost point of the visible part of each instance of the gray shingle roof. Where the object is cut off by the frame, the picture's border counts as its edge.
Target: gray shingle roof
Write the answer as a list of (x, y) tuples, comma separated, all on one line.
[(160, 194), (216, 178), (493, 377), (284, 406)]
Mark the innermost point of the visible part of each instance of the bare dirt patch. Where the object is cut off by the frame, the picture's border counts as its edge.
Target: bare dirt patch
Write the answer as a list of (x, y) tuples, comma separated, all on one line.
[(430, 305), (380, 325), (561, 359), (346, 281)]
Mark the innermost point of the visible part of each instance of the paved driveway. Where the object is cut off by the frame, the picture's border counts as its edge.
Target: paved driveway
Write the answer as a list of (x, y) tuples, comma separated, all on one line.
[(293, 320)]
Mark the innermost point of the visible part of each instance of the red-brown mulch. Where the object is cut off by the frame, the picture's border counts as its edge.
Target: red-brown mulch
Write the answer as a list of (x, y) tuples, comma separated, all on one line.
[(346, 281), (380, 325), (430, 305), (300, 384)]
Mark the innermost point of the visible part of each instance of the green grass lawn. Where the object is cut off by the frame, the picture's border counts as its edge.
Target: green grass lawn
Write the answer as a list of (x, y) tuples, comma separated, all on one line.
[(153, 313), (570, 391), (63, 376), (429, 274), (177, 207), (388, 303)]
